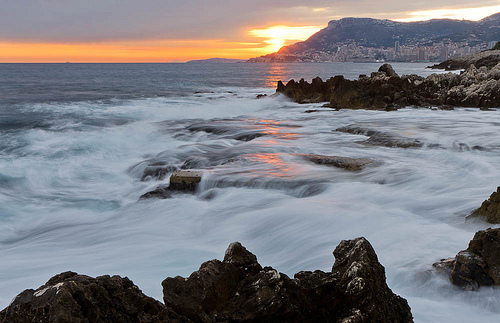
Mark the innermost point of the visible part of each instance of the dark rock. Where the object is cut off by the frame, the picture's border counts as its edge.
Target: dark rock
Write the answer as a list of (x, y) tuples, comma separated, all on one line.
[(385, 90), (261, 96), (378, 138), (238, 289), (490, 209), (347, 163), (180, 182), (158, 193), (69, 297), (478, 265), (487, 58)]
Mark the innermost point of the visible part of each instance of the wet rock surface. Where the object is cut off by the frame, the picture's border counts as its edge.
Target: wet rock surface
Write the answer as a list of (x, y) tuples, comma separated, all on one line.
[(180, 182), (69, 297), (378, 138), (239, 289), (478, 265), (347, 163), (489, 209), (385, 90)]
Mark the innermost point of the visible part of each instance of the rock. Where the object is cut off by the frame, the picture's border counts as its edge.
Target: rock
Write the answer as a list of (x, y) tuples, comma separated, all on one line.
[(478, 265), (261, 96), (157, 193), (490, 209), (487, 58), (239, 289), (180, 182), (385, 90), (347, 163), (378, 138), (388, 70), (185, 180), (69, 297)]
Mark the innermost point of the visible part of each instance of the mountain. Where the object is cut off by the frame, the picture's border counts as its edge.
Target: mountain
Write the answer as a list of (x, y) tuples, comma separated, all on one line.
[(377, 33)]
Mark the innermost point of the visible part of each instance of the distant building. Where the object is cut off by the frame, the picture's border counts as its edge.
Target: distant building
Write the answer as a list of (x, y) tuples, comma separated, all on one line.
[(491, 44), (444, 53), (396, 47), (422, 55)]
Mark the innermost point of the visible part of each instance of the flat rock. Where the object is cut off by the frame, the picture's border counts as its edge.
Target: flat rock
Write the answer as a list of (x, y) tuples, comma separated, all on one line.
[(69, 297), (347, 163), (239, 289), (489, 209), (185, 180), (378, 138)]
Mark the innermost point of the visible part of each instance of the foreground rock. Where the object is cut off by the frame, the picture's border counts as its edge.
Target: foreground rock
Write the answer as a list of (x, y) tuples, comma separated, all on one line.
[(238, 289), (69, 297), (490, 209), (378, 138), (180, 181), (478, 265), (385, 90), (347, 163), (488, 59)]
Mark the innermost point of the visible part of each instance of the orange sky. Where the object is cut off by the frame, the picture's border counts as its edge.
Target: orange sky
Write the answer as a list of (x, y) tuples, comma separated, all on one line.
[(256, 41)]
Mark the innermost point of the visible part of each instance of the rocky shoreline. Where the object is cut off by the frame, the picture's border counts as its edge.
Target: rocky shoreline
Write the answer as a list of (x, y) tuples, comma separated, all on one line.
[(386, 90), (237, 289), (488, 59)]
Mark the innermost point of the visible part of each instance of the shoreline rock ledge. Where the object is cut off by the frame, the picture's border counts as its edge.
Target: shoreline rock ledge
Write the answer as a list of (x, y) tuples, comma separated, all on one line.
[(386, 90), (237, 289)]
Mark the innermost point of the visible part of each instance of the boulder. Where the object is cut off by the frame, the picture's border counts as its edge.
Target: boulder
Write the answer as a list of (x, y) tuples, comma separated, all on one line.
[(180, 182), (347, 163), (239, 289), (478, 265), (69, 297), (489, 209), (185, 180)]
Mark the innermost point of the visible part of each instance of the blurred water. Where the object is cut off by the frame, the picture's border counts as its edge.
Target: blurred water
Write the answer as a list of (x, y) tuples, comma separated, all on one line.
[(75, 141)]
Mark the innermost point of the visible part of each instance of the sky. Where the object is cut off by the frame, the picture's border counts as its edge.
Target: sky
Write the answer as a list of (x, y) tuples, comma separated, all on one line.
[(181, 30)]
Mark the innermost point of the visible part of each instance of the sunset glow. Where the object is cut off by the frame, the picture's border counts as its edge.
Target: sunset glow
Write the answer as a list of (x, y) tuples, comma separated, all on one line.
[(463, 13), (279, 36)]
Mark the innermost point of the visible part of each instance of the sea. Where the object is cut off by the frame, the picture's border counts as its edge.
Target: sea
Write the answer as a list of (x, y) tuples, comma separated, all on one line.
[(77, 142)]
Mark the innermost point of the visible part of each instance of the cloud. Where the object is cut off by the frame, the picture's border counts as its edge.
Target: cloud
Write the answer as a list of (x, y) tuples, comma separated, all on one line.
[(76, 21)]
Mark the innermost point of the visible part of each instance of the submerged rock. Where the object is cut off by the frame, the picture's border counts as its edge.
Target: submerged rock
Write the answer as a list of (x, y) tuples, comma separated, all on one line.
[(69, 297), (478, 265), (385, 90), (238, 289), (490, 209), (378, 138), (347, 163)]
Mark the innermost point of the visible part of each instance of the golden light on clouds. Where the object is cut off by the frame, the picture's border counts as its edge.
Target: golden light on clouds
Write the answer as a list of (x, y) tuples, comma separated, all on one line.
[(279, 36), (462, 13), (320, 9)]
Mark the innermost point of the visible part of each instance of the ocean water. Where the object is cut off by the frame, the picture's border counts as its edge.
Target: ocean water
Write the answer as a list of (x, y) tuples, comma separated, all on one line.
[(76, 139)]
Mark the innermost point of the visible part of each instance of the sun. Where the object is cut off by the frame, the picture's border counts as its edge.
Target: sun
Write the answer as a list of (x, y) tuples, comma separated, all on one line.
[(279, 36)]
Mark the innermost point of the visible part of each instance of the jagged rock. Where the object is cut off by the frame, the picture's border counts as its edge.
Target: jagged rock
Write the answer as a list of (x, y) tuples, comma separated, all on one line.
[(158, 193), (378, 138), (487, 58), (385, 90), (69, 297), (490, 209), (238, 289), (478, 265), (347, 163)]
